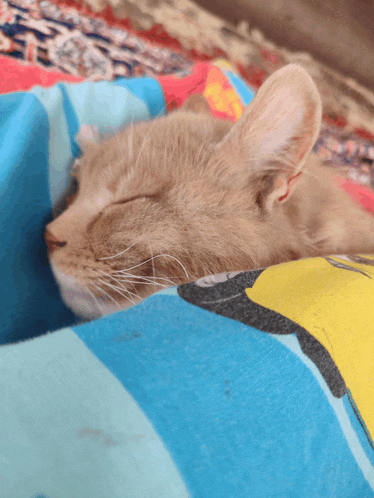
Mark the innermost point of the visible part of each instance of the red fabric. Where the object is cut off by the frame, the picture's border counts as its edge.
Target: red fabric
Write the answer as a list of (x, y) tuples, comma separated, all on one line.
[(176, 89), (363, 195), (211, 81), (17, 77)]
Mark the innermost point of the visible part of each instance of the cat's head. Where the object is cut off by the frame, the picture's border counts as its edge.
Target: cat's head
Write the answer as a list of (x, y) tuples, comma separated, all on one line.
[(183, 196)]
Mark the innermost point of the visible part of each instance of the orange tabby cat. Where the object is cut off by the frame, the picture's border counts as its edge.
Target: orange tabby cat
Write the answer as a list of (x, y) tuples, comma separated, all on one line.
[(171, 200)]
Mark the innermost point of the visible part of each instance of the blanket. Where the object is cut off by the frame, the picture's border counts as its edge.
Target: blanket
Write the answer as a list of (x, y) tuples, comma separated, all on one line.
[(243, 384)]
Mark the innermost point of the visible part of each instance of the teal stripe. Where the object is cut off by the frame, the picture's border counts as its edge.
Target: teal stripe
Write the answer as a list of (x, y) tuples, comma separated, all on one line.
[(105, 105)]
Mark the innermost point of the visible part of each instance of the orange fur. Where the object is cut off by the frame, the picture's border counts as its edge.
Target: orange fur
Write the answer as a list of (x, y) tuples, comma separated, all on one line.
[(209, 195)]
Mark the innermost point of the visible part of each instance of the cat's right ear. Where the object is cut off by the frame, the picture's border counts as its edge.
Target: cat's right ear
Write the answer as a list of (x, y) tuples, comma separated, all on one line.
[(269, 144), (196, 103), (87, 136)]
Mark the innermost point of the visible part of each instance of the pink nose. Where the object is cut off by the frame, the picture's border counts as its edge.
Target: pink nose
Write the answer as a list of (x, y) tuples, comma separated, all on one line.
[(52, 242)]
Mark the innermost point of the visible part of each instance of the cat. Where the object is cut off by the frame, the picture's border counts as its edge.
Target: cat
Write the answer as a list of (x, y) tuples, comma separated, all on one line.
[(186, 195)]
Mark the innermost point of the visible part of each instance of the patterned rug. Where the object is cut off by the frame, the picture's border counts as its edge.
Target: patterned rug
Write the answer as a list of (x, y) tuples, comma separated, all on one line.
[(71, 38)]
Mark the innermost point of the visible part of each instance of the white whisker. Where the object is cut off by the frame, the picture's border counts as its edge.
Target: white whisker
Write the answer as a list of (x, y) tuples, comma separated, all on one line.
[(146, 138), (147, 278), (160, 256), (106, 294), (118, 289), (120, 144), (108, 275), (141, 276), (119, 254), (153, 265), (140, 153), (144, 283), (95, 299), (130, 139)]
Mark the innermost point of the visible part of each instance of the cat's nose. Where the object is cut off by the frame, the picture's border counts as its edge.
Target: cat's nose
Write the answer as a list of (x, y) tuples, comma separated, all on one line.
[(52, 242)]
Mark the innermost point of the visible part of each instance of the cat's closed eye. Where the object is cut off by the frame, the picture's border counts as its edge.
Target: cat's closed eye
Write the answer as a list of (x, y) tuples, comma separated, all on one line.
[(137, 197)]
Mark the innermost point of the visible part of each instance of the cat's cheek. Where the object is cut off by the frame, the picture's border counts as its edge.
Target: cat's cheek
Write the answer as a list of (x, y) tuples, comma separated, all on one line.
[(76, 297)]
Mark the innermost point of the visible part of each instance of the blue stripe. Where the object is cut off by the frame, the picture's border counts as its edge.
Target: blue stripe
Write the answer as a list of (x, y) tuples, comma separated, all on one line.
[(245, 94), (28, 294), (147, 89), (239, 412)]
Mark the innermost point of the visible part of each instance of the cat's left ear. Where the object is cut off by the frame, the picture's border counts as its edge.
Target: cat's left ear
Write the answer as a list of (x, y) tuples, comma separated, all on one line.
[(268, 146), (196, 103), (87, 136)]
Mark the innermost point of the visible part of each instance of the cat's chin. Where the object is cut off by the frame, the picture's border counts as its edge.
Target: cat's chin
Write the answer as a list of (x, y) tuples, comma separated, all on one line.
[(78, 299)]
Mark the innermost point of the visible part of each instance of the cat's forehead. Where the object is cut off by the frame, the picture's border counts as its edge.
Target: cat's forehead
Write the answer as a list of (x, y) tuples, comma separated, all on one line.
[(180, 129), (156, 150), (165, 158)]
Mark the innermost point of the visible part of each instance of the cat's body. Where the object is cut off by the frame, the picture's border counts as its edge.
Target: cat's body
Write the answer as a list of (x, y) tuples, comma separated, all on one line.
[(172, 200)]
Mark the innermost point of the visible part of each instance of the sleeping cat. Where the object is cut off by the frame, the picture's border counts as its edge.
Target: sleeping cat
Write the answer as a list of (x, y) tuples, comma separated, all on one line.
[(186, 195)]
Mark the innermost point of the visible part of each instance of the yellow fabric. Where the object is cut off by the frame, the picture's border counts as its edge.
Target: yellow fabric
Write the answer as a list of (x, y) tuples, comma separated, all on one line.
[(336, 306)]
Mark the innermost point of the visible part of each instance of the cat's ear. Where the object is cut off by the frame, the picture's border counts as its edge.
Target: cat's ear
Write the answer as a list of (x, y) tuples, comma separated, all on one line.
[(87, 136), (196, 103), (268, 146)]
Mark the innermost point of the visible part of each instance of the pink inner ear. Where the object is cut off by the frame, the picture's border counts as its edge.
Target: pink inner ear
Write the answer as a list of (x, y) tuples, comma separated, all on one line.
[(88, 133), (291, 184)]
